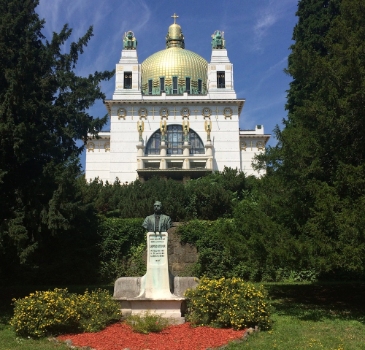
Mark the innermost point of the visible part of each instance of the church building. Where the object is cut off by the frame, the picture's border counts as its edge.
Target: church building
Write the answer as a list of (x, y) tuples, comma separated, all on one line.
[(174, 115)]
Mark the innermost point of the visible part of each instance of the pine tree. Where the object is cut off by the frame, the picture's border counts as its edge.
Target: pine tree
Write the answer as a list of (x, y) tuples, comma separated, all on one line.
[(43, 112)]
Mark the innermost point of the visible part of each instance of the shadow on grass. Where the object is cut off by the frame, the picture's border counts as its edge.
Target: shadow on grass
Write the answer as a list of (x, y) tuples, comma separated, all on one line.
[(318, 301)]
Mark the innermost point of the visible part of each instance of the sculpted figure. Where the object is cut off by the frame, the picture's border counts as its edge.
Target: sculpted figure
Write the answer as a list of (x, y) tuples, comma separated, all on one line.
[(185, 126), (157, 222), (218, 41), (140, 128), (208, 128), (129, 41)]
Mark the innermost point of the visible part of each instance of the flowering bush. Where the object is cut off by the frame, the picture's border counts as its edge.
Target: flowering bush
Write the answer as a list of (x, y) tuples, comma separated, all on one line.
[(228, 302), (58, 311), (97, 310), (147, 323)]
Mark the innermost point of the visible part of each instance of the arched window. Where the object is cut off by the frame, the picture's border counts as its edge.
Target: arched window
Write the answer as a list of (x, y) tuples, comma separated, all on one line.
[(175, 141)]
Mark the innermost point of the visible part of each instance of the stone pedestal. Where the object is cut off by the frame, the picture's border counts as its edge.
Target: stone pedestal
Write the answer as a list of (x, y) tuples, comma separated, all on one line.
[(158, 291), (156, 282)]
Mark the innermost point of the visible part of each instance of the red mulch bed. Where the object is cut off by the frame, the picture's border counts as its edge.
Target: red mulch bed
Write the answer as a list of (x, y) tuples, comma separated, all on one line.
[(182, 337)]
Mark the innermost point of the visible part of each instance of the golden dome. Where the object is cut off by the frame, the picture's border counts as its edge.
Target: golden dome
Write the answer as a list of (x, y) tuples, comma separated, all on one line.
[(187, 68)]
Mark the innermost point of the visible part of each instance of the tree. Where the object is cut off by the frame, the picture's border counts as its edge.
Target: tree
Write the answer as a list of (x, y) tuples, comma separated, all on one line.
[(320, 158), (43, 112)]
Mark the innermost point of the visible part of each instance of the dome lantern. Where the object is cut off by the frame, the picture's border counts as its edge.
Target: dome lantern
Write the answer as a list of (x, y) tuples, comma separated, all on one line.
[(175, 37)]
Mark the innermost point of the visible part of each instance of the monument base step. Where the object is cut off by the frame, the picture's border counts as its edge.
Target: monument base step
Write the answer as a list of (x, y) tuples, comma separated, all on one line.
[(173, 308)]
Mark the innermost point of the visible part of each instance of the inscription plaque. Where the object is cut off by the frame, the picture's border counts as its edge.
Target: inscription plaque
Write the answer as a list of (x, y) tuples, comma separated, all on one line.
[(157, 249)]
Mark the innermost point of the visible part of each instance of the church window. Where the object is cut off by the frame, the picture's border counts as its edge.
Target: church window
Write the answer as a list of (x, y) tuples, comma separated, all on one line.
[(150, 86), (174, 85), (154, 143), (162, 84), (188, 85), (127, 80), (175, 141), (221, 80), (199, 86)]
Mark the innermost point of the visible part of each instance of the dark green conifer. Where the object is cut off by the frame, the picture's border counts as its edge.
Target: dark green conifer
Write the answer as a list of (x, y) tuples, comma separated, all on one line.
[(320, 158), (43, 112)]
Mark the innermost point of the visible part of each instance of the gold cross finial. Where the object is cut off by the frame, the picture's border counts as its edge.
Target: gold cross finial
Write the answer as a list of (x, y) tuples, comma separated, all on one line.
[(174, 17)]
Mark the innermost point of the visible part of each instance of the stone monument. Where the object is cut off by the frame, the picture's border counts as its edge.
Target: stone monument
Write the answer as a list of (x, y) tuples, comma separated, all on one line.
[(158, 291)]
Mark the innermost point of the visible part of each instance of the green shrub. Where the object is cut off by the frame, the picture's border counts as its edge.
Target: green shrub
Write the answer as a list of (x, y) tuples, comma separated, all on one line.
[(219, 246), (96, 310), (42, 313), (228, 303), (58, 312), (147, 323), (122, 242)]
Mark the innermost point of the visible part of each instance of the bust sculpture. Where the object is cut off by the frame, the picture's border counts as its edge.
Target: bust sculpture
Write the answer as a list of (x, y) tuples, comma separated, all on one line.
[(157, 222)]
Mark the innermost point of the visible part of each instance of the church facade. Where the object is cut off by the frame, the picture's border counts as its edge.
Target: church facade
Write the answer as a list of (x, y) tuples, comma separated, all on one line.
[(174, 115)]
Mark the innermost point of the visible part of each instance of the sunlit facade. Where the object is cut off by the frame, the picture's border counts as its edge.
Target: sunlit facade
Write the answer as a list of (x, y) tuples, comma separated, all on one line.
[(174, 115)]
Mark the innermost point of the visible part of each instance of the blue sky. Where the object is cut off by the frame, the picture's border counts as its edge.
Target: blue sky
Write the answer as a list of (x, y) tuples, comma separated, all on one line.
[(258, 36)]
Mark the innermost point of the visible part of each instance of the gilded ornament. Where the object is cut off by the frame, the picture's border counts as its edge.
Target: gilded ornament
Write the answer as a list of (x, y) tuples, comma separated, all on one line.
[(140, 129), (185, 112), (121, 113), (227, 112), (90, 147), (107, 146), (243, 146), (260, 145), (206, 112), (164, 112), (163, 128), (208, 128), (142, 113)]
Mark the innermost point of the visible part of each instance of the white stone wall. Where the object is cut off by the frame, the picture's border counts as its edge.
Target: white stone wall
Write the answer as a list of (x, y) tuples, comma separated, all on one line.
[(224, 136), (98, 159), (252, 142)]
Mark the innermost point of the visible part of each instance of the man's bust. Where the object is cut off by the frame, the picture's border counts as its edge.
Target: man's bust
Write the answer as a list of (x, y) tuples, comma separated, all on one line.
[(157, 222)]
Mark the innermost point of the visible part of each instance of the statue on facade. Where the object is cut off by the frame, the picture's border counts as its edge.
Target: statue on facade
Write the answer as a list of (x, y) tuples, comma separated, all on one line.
[(163, 129), (157, 222), (218, 41), (186, 127), (208, 128), (129, 41), (140, 128)]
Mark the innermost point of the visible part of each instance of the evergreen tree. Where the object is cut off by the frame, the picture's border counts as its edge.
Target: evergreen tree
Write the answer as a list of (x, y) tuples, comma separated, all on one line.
[(320, 158), (43, 112)]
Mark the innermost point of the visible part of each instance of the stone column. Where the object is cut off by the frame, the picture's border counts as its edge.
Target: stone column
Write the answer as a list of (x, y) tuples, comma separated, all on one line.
[(140, 151), (186, 153), (209, 153), (163, 149)]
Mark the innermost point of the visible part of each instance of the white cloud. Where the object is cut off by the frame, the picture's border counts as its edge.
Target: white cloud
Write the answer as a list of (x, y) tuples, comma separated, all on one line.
[(267, 17)]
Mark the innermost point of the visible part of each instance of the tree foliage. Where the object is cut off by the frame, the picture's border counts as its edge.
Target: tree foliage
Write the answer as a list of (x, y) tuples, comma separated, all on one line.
[(207, 198), (320, 158), (43, 112)]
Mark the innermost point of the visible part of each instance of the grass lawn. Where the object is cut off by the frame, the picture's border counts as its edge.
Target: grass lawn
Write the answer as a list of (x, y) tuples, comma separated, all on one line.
[(313, 316), (307, 316)]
